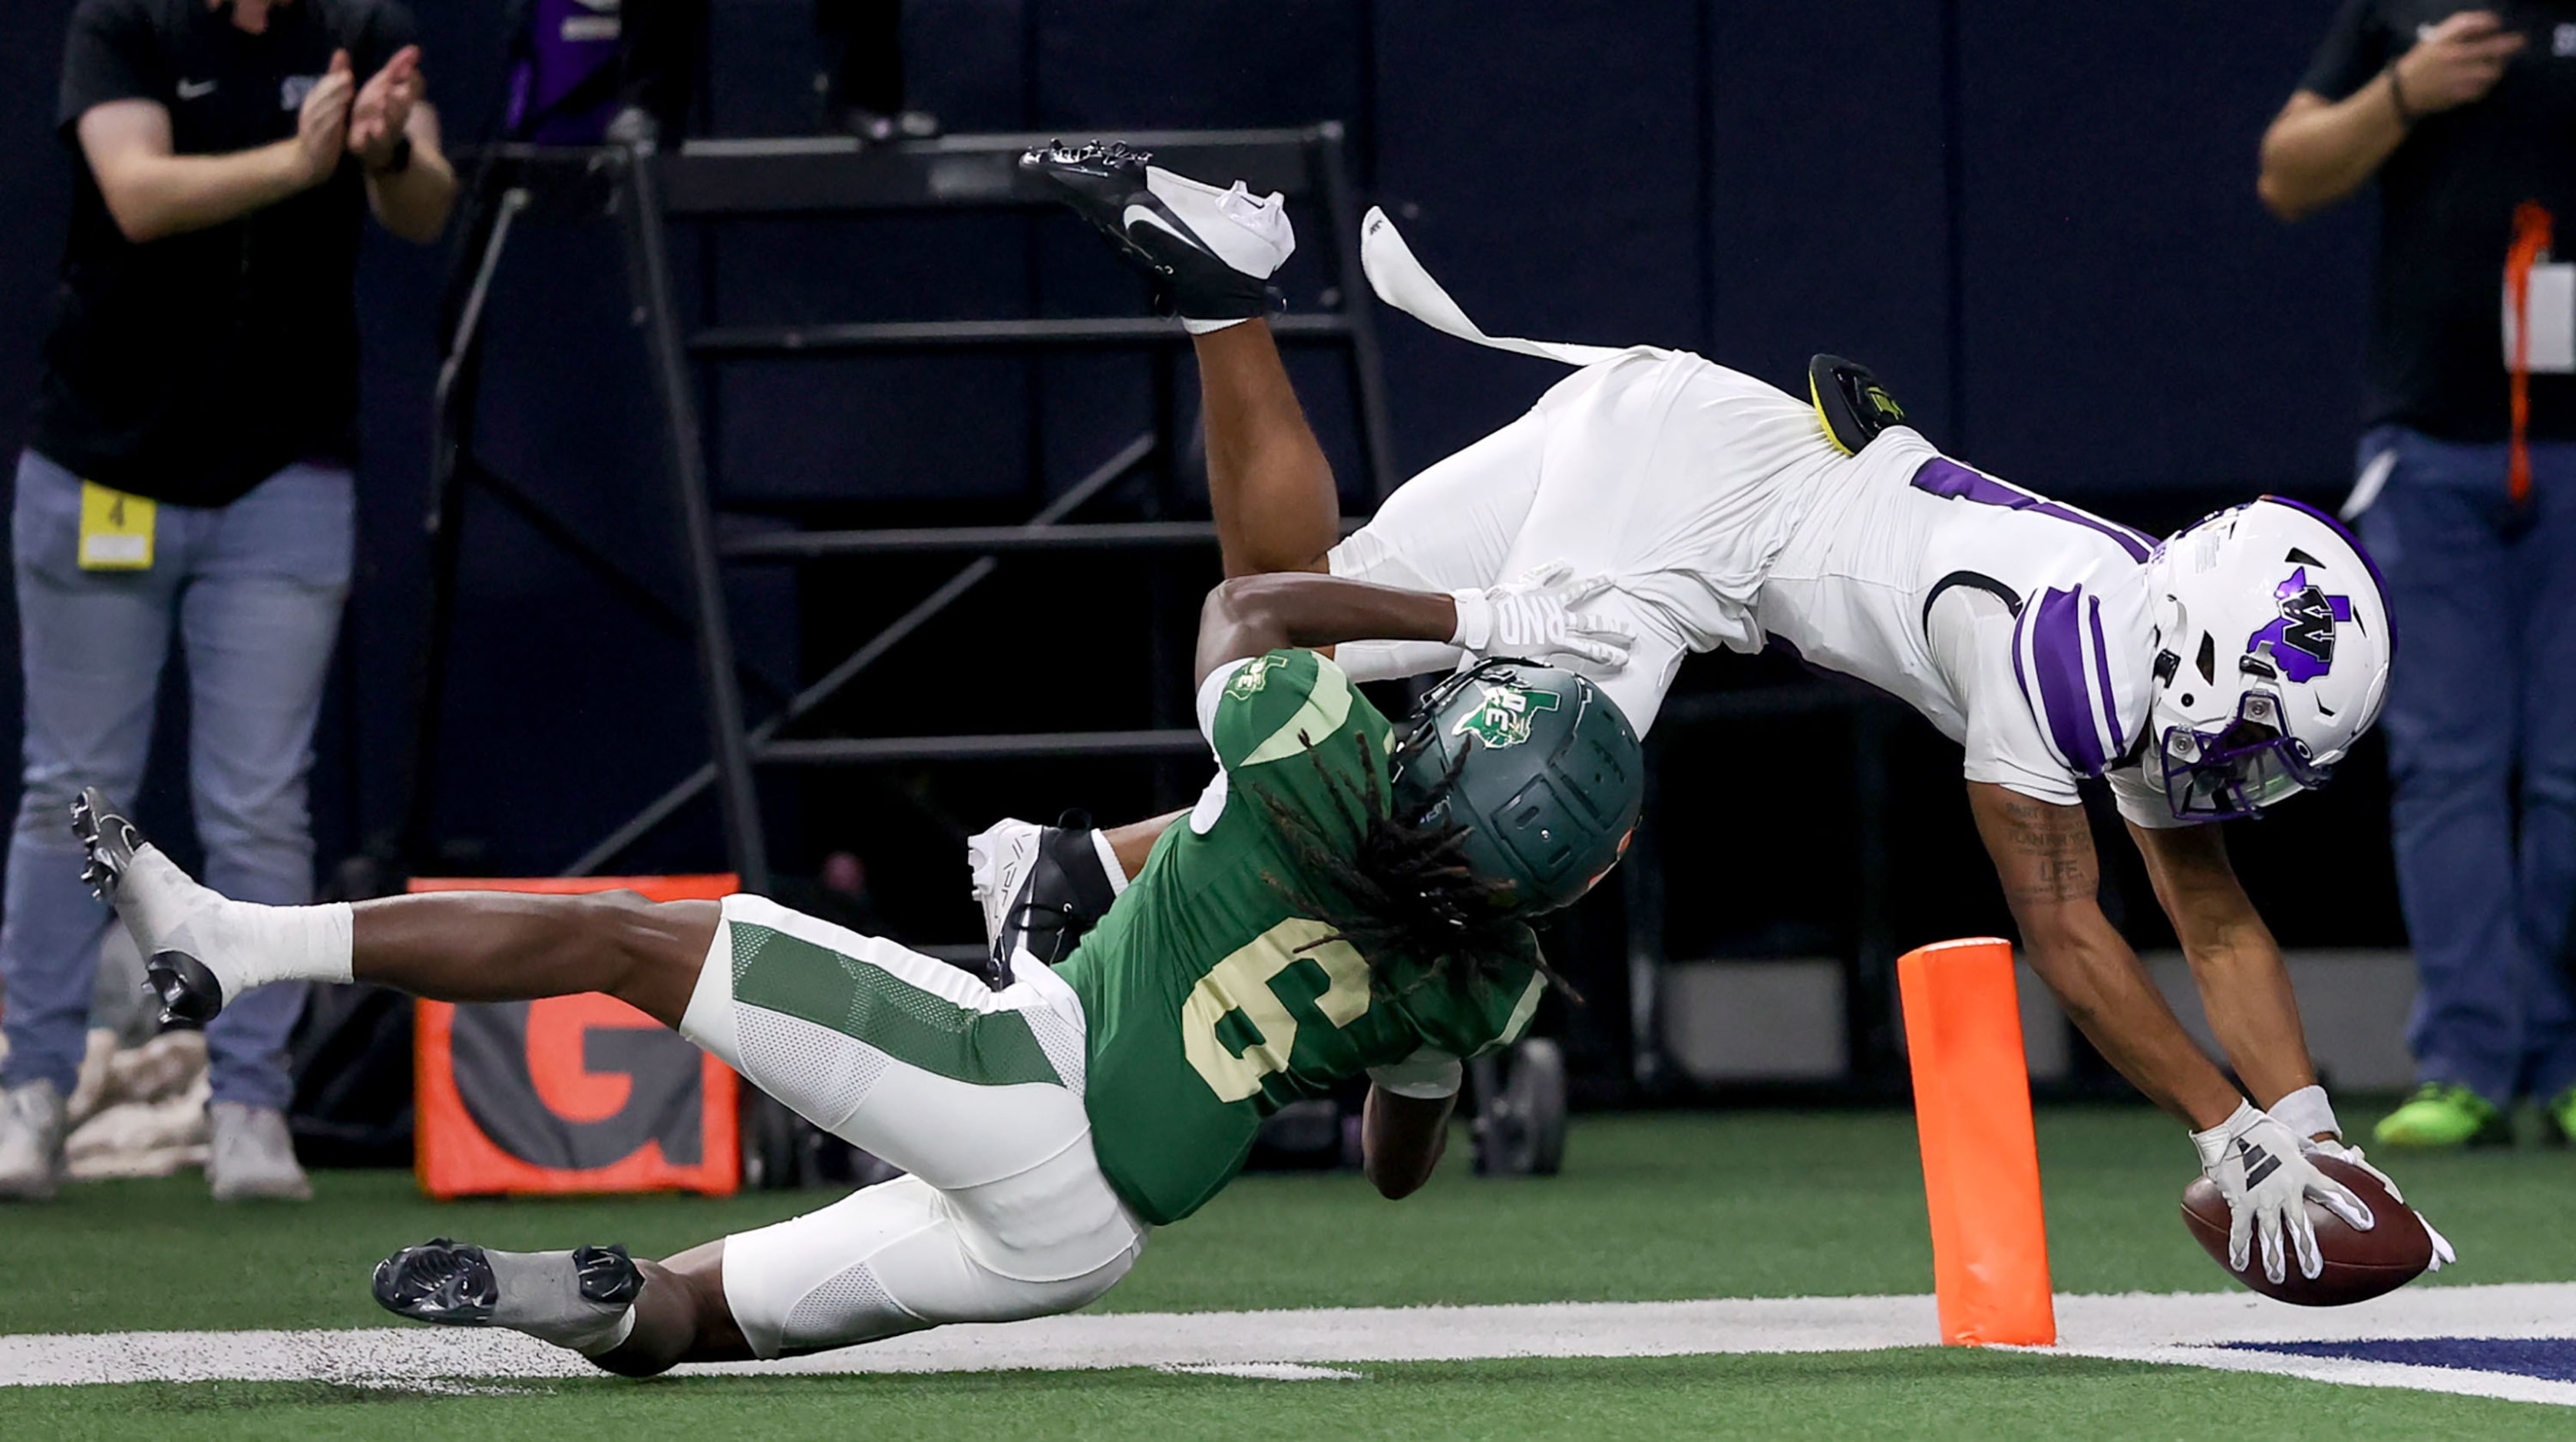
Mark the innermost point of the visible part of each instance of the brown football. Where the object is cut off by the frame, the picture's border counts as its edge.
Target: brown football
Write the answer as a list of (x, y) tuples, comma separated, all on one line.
[(2359, 1265)]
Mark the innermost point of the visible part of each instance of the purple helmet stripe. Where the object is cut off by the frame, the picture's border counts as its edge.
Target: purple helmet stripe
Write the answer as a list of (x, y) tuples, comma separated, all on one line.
[(1942, 476), (2108, 699), (2057, 660)]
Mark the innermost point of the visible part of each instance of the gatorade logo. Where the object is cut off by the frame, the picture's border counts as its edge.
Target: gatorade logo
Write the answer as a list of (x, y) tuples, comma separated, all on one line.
[(579, 1082), (578, 1094)]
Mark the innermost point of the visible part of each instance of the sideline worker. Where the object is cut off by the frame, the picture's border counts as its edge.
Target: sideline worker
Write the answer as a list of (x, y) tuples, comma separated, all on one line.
[(189, 467), (2467, 498)]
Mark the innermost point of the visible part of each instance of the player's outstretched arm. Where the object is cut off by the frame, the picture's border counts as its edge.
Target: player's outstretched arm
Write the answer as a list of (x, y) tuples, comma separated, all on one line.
[(1535, 618), (2043, 854), (2245, 989), (1401, 1139), (1255, 615), (2234, 960)]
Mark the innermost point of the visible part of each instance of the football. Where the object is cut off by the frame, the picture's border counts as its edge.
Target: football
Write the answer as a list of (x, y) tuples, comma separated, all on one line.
[(2358, 1265)]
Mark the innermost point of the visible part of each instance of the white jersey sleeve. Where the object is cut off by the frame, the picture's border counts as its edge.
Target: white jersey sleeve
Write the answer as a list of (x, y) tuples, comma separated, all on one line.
[(2142, 800), (1971, 632)]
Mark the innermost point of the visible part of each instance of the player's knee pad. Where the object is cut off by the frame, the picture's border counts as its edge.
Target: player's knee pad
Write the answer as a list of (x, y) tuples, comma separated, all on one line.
[(882, 1261)]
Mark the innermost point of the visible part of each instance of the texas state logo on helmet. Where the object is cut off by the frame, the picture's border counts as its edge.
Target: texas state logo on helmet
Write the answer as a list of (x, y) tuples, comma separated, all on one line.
[(1540, 767), (2272, 652)]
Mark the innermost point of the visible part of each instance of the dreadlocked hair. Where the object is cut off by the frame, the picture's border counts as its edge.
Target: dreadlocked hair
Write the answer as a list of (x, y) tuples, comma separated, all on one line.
[(1403, 891)]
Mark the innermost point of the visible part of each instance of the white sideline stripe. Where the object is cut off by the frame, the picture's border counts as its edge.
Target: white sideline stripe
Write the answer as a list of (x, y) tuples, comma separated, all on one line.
[(2176, 1327)]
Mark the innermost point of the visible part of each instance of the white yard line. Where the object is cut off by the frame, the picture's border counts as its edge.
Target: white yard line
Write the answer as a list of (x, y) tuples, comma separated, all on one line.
[(2178, 1328), (2135, 1319), (2351, 1373)]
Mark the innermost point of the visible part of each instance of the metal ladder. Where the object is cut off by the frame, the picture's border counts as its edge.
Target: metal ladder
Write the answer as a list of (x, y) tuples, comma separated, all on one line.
[(730, 179)]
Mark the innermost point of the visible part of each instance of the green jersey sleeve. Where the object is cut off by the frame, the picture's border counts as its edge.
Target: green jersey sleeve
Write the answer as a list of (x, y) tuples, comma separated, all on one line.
[(1486, 1015), (1294, 735), (1278, 707)]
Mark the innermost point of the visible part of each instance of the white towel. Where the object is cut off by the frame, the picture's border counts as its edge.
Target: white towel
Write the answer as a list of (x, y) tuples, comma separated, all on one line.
[(1400, 281)]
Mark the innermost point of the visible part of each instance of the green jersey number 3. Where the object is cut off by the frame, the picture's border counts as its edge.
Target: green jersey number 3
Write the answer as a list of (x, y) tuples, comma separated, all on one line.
[(1241, 983)]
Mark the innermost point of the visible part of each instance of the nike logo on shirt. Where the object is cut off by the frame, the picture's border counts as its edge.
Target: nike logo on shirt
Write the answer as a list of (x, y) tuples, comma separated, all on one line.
[(196, 89)]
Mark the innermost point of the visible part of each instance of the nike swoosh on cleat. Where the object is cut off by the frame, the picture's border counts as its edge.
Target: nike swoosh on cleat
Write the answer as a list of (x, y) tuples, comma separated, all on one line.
[(1135, 215)]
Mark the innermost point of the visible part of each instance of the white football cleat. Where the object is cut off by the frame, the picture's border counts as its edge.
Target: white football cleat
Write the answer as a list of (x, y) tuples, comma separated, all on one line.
[(1042, 888), (1001, 856), (1209, 249)]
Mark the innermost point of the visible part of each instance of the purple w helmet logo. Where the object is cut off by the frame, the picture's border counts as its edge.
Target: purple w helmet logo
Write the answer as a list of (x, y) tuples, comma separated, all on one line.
[(2303, 638)]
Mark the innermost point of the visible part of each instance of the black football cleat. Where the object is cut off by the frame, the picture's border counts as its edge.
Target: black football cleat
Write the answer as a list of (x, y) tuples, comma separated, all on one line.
[(1211, 252), (455, 1285), (438, 1281), (189, 993), (108, 842)]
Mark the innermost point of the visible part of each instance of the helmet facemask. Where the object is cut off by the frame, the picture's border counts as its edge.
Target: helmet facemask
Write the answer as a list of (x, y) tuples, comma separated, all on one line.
[(2240, 768)]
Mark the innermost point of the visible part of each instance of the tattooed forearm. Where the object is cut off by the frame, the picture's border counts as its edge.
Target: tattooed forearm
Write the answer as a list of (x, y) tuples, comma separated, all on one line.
[(2043, 854)]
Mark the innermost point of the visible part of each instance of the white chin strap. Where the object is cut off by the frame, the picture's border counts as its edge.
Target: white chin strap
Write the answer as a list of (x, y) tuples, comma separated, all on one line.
[(1400, 281)]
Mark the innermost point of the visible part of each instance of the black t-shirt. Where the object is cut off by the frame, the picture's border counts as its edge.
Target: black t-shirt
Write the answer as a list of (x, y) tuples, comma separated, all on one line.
[(2446, 200), (192, 367)]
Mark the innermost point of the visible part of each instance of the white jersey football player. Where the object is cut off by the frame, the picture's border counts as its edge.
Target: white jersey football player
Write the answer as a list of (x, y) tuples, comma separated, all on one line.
[(1654, 504)]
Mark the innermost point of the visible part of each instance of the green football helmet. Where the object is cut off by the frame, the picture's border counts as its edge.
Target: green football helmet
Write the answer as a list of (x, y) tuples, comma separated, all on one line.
[(1539, 766)]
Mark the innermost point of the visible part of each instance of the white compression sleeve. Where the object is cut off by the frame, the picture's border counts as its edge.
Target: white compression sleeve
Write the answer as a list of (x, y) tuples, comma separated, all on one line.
[(1394, 660)]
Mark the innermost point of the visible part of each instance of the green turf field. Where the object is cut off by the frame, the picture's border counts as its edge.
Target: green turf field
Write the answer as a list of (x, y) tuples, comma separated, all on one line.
[(1932, 1393), (1651, 1207)]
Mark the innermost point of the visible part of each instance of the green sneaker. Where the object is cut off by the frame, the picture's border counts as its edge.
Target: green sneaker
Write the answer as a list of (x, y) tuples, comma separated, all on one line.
[(2442, 1115)]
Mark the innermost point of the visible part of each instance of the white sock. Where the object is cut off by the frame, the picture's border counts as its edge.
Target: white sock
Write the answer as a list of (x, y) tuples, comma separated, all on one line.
[(1109, 862), (242, 943), (610, 1340)]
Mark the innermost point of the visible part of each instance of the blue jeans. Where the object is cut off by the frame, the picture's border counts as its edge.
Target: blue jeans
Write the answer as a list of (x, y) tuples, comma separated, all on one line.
[(2481, 724), (255, 589)]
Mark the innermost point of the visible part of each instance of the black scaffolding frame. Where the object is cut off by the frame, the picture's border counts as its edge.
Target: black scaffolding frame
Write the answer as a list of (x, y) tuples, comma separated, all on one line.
[(646, 192)]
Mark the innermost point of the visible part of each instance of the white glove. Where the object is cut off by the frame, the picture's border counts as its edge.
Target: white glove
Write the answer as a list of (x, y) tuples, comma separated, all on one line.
[(1534, 619), (2310, 1117), (2259, 1167), (2334, 1147)]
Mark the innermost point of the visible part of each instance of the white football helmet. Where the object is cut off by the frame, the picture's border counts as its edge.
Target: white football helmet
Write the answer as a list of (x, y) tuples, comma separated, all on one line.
[(2272, 653)]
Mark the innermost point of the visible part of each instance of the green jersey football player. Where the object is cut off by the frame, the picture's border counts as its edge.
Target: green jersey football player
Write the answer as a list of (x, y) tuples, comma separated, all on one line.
[(1342, 901)]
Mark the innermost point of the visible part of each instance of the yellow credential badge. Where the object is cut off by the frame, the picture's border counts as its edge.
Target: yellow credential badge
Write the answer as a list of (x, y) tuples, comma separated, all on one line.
[(115, 530)]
